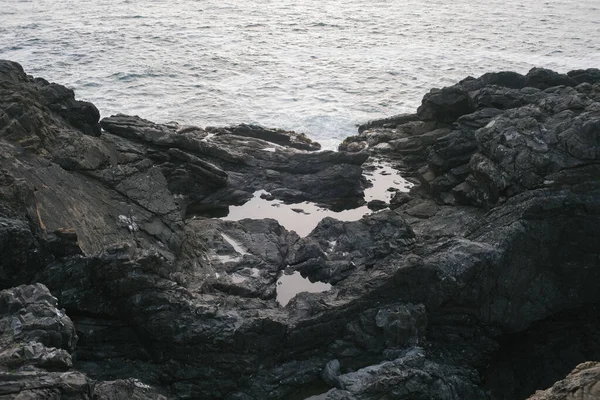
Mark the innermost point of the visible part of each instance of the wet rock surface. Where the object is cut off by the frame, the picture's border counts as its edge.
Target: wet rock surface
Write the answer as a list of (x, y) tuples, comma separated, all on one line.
[(225, 166), (497, 241)]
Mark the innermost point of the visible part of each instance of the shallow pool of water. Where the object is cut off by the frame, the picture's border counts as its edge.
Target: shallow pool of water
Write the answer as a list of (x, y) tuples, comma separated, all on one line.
[(304, 217), (289, 285)]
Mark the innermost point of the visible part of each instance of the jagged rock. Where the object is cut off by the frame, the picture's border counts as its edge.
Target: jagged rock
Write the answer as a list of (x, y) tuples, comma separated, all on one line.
[(399, 199), (248, 153), (390, 122), (423, 210), (377, 205), (502, 98), (21, 254), (292, 139), (37, 384), (591, 75), (402, 325), (242, 258), (29, 314), (507, 79), (358, 244), (500, 235), (543, 78), (36, 344), (126, 389), (582, 383), (445, 105), (331, 372), (353, 147), (410, 376), (473, 164)]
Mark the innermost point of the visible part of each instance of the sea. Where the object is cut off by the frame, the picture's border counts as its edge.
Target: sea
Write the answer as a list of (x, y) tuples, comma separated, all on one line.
[(315, 66)]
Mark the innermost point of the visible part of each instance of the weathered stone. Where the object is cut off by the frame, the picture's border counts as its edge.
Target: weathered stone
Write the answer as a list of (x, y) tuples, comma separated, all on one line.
[(583, 383), (475, 264), (445, 105), (291, 139), (390, 122), (543, 78)]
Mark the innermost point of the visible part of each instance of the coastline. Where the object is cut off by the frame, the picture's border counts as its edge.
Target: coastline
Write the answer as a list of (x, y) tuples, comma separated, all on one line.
[(116, 279)]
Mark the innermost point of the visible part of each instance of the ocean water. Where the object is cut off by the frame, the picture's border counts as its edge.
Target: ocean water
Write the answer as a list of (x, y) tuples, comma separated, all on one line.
[(314, 66)]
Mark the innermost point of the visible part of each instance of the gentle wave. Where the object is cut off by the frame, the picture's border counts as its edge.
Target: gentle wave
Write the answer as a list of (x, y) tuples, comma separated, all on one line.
[(312, 66)]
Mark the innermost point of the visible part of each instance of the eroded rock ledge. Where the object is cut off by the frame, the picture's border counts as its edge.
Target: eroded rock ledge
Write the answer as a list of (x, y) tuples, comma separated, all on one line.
[(582, 383), (434, 297)]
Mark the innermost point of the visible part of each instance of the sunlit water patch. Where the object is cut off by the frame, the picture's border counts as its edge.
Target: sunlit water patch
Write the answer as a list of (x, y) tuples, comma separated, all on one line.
[(311, 66), (304, 217), (289, 285)]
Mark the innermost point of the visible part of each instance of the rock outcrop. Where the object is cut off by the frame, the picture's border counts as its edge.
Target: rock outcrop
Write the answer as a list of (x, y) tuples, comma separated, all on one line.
[(433, 297), (583, 383), (504, 155), (37, 341), (225, 166)]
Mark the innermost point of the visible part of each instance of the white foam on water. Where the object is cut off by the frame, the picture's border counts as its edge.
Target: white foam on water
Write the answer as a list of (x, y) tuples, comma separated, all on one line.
[(308, 66), (208, 137)]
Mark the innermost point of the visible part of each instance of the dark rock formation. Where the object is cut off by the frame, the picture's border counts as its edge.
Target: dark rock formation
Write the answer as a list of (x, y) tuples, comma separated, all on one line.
[(101, 221), (436, 298), (225, 166), (37, 341), (505, 157), (283, 138)]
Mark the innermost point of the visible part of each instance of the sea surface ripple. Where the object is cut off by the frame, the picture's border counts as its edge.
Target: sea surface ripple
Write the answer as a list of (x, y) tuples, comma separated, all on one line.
[(315, 66)]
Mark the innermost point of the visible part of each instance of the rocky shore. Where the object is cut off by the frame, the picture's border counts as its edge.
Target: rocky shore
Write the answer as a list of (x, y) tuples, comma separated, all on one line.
[(121, 276)]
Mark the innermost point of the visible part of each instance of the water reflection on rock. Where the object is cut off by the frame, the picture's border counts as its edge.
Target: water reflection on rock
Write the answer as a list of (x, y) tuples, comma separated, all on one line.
[(289, 285), (303, 217)]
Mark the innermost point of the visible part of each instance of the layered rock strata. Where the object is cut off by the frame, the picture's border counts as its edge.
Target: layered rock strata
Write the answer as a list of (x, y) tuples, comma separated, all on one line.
[(499, 240)]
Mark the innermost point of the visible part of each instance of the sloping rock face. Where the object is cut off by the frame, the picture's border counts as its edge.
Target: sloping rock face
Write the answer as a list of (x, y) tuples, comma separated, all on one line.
[(101, 219), (37, 341), (582, 383), (500, 161), (225, 166), (497, 242)]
